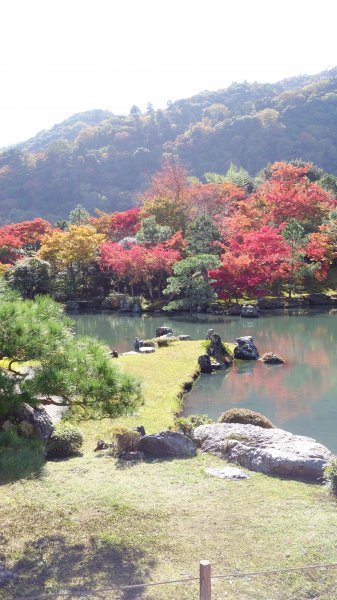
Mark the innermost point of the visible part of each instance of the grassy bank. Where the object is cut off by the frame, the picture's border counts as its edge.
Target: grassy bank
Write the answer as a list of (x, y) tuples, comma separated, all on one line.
[(91, 522), (164, 374)]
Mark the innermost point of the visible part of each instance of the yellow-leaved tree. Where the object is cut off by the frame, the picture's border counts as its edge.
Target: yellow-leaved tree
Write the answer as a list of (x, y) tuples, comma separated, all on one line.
[(72, 255)]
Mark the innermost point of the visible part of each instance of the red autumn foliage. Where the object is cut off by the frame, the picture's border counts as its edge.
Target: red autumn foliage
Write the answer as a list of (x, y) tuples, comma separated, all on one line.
[(16, 236), (170, 182), (176, 242), (319, 249), (214, 199), (117, 225), (138, 264), (289, 194), (10, 247), (251, 265)]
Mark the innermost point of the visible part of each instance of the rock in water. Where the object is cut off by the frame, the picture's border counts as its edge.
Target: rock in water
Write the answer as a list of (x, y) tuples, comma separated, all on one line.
[(270, 451), (167, 444), (234, 310), (217, 351), (205, 364), (270, 358), (250, 311), (163, 331), (209, 334), (245, 350)]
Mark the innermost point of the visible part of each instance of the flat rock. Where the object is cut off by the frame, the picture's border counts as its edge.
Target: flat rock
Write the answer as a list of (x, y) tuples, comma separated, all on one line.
[(167, 444), (226, 472), (146, 350), (269, 451), (184, 337)]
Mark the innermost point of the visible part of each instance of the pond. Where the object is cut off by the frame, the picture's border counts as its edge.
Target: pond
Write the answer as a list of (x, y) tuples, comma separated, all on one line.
[(300, 396)]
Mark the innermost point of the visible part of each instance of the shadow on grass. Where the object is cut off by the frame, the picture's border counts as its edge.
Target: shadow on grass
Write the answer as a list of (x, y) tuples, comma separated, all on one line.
[(51, 565), (20, 464)]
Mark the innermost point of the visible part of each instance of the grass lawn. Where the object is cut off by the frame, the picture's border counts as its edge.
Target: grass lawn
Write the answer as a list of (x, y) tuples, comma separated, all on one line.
[(90, 522)]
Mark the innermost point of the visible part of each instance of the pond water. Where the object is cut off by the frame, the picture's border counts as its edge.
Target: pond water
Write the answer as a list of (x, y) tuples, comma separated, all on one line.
[(300, 396)]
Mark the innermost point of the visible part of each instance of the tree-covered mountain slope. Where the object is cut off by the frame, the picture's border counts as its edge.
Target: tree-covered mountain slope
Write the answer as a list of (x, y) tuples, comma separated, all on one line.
[(102, 160)]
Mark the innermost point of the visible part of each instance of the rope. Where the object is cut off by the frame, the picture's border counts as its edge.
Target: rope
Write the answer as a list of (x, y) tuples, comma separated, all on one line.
[(184, 580)]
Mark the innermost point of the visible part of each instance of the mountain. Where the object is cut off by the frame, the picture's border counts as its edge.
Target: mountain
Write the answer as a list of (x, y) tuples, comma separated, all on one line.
[(102, 160)]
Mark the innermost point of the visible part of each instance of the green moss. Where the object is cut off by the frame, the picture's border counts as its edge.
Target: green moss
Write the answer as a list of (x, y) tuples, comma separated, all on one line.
[(246, 416)]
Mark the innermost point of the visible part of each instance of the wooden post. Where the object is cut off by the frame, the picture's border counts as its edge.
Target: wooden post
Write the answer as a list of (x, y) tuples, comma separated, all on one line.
[(205, 580)]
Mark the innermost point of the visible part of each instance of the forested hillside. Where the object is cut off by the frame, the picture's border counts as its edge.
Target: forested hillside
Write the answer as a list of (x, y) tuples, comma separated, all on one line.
[(102, 160)]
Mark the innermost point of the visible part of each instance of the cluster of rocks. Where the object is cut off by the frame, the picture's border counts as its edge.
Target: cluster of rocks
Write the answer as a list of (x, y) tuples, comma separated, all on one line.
[(148, 347), (270, 451), (217, 357), (165, 444), (280, 303)]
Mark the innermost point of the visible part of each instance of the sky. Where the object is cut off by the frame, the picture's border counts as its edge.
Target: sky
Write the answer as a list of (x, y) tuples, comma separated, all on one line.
[(60, 57)]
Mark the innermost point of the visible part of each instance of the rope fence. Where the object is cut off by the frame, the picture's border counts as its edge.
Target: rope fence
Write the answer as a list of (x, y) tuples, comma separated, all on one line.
[(205, 581)]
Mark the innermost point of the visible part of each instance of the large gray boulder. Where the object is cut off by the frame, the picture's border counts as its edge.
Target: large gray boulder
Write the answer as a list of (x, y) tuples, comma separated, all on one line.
[(245, 349), (30, 421), (270, 451), (167, 444)]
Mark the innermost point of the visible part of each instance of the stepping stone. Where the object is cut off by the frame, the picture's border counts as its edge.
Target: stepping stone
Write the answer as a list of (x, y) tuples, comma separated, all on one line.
[(146, 350), (226, 472)]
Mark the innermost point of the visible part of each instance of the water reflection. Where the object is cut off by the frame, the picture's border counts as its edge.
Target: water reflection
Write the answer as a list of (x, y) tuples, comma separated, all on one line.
[(299, 396)]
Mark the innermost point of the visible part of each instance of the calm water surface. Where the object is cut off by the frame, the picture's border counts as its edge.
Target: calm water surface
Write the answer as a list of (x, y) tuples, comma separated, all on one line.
[(300, 396)]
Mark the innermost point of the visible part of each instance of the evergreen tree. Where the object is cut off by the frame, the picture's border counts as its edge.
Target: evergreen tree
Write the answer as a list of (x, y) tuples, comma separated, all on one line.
[(190, 286), (201, 236)]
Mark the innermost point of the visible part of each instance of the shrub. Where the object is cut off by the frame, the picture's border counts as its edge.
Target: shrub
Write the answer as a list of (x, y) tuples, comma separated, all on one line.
[(19, 457), (123, 440), (116, 301), (150, 343), (187, 424), (246, 416), (227, 348), (161, 342), (164, 341), (65, 440), (330, 474)]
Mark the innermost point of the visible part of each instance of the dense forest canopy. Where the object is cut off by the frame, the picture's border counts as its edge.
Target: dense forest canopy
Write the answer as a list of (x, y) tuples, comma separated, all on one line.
[(101, 160), (187, 244)]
